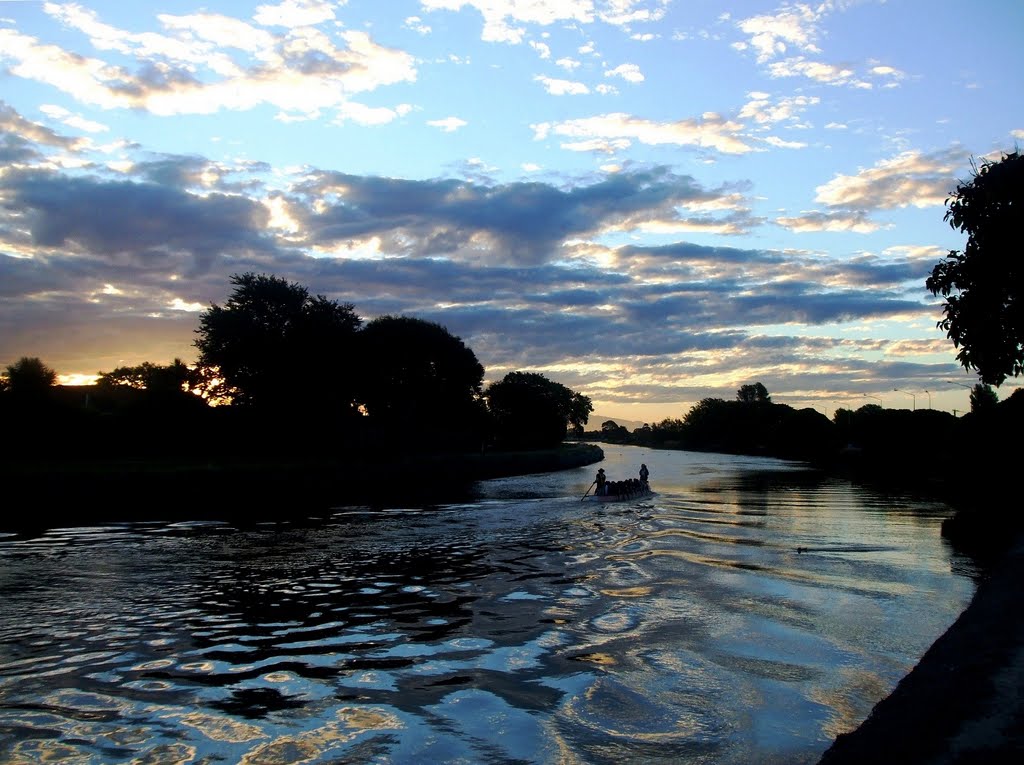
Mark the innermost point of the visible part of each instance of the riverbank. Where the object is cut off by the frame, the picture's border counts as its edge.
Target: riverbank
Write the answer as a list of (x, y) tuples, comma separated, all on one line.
[(84, 491), (963, 704)]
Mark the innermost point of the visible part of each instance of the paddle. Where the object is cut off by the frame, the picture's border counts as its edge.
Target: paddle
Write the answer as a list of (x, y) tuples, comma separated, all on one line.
[(588, 491)]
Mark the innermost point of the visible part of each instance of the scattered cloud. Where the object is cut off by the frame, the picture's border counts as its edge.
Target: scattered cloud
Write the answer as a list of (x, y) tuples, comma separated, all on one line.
[(416, 24), (787, 44), (506, 21), (448, 124), (205, 63), (296, 13), (911, 178), (558, 87), (858, 222), (72, 120), (710, 131), (763, 111), (772, 36), (628, 72)]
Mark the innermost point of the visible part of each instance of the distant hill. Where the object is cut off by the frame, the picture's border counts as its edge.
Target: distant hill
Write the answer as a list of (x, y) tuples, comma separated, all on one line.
[(597, 420)]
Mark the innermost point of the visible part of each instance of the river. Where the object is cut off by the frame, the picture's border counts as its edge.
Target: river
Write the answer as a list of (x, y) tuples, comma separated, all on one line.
[(748, 612)]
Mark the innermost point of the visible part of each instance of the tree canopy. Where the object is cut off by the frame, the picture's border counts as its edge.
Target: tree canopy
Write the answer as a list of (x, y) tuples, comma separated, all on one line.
[(28, 376), (754, 393), (417, 373), (983, 398), (530, 410), (156, 378), (984, 284), (274, 346)]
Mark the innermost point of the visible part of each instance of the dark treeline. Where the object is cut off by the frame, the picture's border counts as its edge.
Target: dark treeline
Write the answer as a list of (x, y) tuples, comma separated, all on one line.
[(285, 381), (971, 460)]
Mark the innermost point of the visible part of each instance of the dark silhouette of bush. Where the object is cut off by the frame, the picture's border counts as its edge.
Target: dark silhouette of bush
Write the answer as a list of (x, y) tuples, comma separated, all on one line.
[(28, 380), (417, 378), (529, 411)]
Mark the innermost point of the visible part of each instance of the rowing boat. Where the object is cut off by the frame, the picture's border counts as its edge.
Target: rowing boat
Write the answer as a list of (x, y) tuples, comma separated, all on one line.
[(629, 495)]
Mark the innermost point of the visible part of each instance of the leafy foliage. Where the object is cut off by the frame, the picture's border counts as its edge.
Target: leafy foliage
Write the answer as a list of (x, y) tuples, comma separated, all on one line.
[(983, 398), (984, 284), (174, 377), (417, 373), (275, 347), (530, 410), (29, 377), (753, 394)]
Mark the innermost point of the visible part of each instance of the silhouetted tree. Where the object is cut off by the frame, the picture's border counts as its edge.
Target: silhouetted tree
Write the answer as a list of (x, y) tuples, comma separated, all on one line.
[(984, 284), (529, 410), (753, 394), (272, 346), (417, 374), (983, 398), (176, 376), (710, 424), (612, 431), (29, 377)]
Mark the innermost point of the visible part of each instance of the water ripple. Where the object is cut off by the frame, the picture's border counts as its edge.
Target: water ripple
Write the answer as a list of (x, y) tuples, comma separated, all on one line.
[(725, 620)]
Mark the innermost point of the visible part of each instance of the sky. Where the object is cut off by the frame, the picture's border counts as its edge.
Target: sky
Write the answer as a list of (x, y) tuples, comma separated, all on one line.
[(649, 201)]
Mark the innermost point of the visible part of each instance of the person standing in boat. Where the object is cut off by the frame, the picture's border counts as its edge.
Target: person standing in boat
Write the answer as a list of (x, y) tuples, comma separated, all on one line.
[(644, 474), (600, 481)]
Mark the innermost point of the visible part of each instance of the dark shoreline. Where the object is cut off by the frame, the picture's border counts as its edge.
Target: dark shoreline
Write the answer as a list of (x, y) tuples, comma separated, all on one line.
[(79, 492), (963, 704)]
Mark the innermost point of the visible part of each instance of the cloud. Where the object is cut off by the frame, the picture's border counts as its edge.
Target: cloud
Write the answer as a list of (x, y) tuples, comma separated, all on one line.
[(506, 20), (628, 72), (771, 36), (763, 111), (780, 143), (828, 74), (296, 13), (416, 24), (521, 222), (911, 178), (858, 222), (627, 12), (448, 124), (501, 16), (784, 41), (145, 225), (21, 139), (562, 87), (710, 131), (205, 63), (72, 120), (351, 111)]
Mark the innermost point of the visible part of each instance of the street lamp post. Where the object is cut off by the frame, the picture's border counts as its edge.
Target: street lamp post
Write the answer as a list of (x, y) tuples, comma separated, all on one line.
[(929, 399), (912, 396), (876, 398)]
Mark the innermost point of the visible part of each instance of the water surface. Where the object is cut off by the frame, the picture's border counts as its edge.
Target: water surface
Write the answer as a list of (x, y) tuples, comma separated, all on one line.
[(749, 612)]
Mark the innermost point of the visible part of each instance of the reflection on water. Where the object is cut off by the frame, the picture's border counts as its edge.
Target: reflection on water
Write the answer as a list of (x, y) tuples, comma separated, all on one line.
[(748, 612)]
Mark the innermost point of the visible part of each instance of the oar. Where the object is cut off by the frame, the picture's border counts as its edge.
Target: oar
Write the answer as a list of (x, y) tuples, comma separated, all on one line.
[(588, 490)]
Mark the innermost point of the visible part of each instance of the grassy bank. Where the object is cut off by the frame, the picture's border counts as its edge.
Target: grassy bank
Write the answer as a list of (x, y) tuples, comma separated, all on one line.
[(82, 491)]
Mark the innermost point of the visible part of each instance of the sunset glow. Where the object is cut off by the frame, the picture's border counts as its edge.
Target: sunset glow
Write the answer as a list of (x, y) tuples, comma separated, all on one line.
[(649, 201)]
